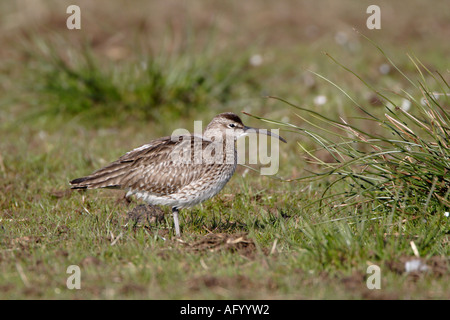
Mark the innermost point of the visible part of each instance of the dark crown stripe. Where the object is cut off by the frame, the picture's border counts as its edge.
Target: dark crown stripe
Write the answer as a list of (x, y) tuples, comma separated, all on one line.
[(231, 116)]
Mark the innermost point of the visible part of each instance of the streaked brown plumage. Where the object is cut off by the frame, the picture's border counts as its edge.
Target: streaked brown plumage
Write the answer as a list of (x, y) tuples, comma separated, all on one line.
[(168, 171)]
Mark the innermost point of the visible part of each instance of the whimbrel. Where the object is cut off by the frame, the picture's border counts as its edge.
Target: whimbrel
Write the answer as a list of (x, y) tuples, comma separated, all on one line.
[(177, 171)]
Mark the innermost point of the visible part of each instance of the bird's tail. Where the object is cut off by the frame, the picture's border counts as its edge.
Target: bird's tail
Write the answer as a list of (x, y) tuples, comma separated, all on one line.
[(110, 176)]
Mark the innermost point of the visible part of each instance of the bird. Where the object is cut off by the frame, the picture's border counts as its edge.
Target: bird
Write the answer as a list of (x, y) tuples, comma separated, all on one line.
[(179, 171)]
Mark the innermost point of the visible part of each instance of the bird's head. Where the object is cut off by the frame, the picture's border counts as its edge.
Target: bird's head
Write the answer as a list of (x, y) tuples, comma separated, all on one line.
[(229, 123)]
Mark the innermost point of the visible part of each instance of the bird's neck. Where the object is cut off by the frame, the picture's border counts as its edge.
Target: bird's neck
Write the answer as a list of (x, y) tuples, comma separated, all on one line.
[(223, 142), (219, 136)]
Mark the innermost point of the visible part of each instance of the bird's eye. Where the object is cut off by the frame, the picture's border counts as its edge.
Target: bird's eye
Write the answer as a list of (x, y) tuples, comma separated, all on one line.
[(231, 125)]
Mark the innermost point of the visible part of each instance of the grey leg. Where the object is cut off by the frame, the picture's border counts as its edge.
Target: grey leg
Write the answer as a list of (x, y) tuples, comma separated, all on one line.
[(176, 221)]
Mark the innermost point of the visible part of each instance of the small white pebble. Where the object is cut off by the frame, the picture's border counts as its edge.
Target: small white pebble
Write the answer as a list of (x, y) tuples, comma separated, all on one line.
[(320, 100), (256, 60), (415, 265), (406, 105), (384, 68), (341, 38)]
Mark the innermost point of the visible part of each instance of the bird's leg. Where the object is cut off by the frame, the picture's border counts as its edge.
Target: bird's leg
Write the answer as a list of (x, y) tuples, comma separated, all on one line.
[(176, 222)]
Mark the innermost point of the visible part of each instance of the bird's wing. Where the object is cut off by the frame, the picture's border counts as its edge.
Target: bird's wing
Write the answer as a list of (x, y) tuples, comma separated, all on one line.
[(160, 167)]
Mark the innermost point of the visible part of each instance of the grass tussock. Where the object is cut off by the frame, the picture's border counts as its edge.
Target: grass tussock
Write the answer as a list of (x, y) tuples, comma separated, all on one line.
[(379, 184), (404, 166), (152, 86)]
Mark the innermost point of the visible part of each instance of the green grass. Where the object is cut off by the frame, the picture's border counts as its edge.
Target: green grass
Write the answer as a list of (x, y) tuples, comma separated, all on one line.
[(154, 86), (44, 230), (44, 237), (66, 110)]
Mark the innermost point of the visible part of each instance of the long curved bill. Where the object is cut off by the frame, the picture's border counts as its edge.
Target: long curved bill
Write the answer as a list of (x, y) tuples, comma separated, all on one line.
[(263, 131)]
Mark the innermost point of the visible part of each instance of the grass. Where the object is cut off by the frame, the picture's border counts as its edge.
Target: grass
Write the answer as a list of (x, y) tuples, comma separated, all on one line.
[(156, 86), (66, 110), (44, 239), (408, 172)]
